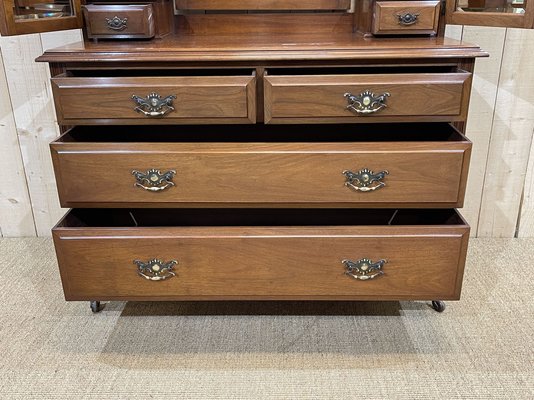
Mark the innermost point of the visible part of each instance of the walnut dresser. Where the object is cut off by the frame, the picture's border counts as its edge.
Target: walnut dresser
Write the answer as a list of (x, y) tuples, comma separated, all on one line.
[(258, 149)]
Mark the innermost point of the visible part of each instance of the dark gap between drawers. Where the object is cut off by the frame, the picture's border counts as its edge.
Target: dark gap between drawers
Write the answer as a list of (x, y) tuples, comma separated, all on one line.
[(359, 70), (398, 132), (127, 73), (146, 217)]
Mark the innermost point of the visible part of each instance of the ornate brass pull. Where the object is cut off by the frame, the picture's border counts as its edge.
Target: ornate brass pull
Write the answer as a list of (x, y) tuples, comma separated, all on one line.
[(361, 180), (156, 270), (407, 19), (116, 23), (154, 105), (366, 102), (364, 269), (153, 180)]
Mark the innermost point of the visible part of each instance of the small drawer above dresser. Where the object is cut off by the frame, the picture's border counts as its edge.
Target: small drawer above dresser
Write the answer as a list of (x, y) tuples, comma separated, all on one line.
[(328, 95), (381, 165), (119, 21), (261, 254), (406, 17), (155, 97)]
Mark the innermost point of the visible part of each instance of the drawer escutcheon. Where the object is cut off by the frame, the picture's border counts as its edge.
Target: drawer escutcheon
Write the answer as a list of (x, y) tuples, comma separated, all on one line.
[(366, 102), (360, 181), (364, 269), (154, 105), (407, 19), (153, 180), (117, 23), (156, 270)]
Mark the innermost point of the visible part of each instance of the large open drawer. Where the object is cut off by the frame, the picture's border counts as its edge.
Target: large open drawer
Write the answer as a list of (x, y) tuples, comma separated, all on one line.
[(397, 165), (261, 254)]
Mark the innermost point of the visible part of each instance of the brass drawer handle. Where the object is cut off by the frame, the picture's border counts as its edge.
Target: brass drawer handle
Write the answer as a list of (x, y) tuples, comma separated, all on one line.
[(156, 270), (364, 269), (366, 102), (361, 181), (116, 23), (407, 19), (153, 180), (154, 105)]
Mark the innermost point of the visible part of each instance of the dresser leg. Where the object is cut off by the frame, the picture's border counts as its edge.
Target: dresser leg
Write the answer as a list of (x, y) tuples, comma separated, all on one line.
[(438, 305), (95, 306)]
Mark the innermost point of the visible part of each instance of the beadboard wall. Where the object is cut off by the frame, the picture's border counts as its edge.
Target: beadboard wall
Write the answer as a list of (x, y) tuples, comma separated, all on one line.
[(500, 192)]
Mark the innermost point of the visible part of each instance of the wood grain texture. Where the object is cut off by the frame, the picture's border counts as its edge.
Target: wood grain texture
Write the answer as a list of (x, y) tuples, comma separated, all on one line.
[(262, 5), (254, 47), (511, 138), (386, 17), (312, 97), (16, 217), (33, 113), (211, 25), (208, 98), (268, 173), (424, 262)]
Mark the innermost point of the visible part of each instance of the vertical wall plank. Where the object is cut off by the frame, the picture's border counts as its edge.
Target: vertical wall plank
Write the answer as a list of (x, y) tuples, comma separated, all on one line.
[(16, 216), (33, 111), (526, 219), (481, 111), (454, 31), (511, 137), (50, 40)]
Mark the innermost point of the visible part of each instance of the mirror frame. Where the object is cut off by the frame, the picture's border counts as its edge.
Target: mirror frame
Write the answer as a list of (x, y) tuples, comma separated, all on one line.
[(9, 27), (507, 20)]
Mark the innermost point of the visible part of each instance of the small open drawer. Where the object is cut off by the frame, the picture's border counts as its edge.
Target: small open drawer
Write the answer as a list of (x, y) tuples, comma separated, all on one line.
[(356, 95), (261, 254), (371, 165), (155, 97)]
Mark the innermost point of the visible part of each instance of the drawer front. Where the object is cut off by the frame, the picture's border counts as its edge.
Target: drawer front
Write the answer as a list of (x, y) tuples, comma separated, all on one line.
[(261, 263), (119, 21), (319, 174), (406, 17), (155, 100), (366, 98)]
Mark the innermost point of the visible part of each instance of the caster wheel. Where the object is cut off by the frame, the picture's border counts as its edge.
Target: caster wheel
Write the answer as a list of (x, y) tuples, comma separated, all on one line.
[(95, 306), (438, 305)]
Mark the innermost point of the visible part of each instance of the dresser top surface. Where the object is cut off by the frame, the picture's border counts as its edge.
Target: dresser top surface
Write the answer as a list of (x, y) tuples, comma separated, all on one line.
[(175, 48)]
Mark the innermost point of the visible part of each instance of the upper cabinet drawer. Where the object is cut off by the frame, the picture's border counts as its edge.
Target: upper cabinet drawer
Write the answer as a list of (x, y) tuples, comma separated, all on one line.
[(155, 100), (406, 17), (119, 21), (384, 97)]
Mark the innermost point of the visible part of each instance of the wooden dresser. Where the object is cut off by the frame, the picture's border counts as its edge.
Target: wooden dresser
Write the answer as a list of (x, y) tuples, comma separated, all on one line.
[(261, 150)]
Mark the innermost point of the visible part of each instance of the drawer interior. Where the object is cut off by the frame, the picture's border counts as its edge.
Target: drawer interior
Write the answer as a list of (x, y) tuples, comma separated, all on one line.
[(363, 70), (401, 132), (146, 217), (129, 72)]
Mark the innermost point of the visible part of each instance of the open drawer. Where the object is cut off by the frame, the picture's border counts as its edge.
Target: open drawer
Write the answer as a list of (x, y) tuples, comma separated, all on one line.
[(385, 165), (261, 254), (356, 95), (155, 97)]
